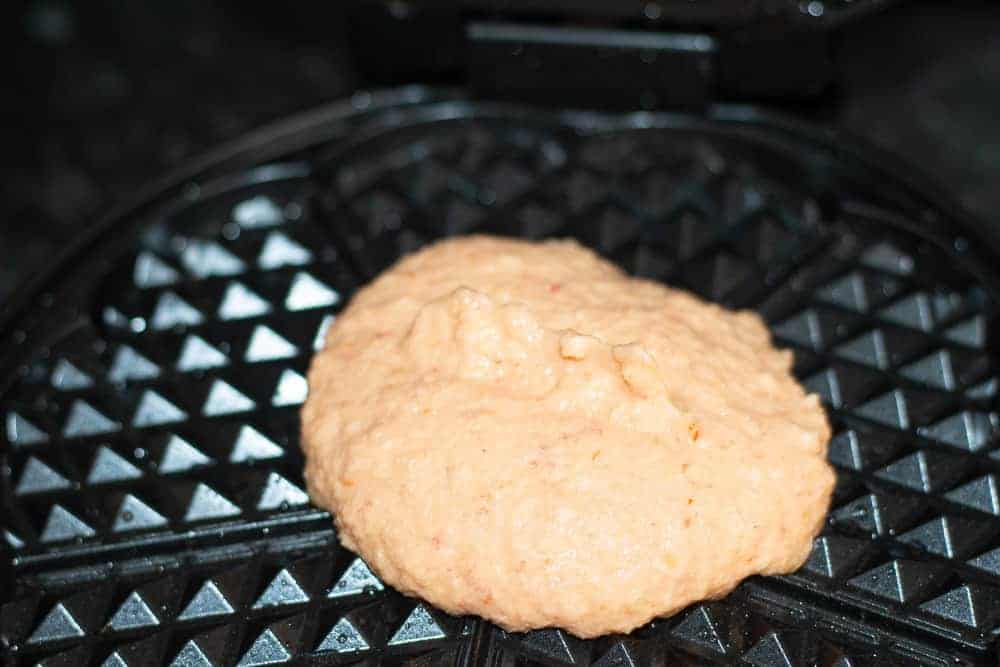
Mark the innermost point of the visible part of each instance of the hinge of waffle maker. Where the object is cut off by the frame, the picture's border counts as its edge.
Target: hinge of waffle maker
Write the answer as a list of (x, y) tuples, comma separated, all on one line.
[(591, 67), (609, 55)]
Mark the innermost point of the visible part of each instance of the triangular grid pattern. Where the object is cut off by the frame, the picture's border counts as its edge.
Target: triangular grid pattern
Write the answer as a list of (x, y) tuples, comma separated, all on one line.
[(181, 600), (867, 311), (184, 358), (212, 335)]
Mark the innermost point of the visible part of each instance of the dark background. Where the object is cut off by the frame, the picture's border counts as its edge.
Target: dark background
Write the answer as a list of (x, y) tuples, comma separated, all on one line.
[(108, 95)]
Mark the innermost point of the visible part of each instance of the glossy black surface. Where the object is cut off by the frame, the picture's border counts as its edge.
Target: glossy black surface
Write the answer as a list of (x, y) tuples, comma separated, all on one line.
[(152, 493)]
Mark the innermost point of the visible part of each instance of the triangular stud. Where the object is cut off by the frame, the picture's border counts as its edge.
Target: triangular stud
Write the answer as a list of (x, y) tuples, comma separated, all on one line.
[(224, 399), (292, 389), (172, 311), (832, 555), (84, 420), (869, 349), (208, 649), (267, 649), (67, 377), (863, 513), (826, 385), (967, 430), (133, 514), (877, 515), (179, 456), (283, 590), (768, 652), (266, 345), (208, 601), (198, 355), (319, 340), (956, 605), (984, 390), (252, 445), (280, 493), (935, 370), (151, 271), (203, 259), (845, 450), (133, 613), (848, 292), (934, 537), (551, 643), (981, 494), (108, 466), (889, 409), (38, 477), (344, 638), (910, 471), (971, 332), (22, 432), (240, 302), (154, 410), (419, 626), (698, 627), (62, 525), (191, 655), (306, 292), (896, 580), (13, 540), (619, 655), (988, 562), (357, 579), (889, 258), (279, 251), (128, 365), (115, 660), (116, 319), (803, 329), (57, 624), (946, 303), (206, 503), (913, 311), (258, 212)]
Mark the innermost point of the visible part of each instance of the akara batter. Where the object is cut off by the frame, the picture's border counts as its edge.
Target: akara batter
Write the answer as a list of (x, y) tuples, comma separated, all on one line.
[(520, 431)]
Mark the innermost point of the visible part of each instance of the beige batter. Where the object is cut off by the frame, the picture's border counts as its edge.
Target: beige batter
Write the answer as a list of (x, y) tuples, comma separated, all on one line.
[(520, 431)]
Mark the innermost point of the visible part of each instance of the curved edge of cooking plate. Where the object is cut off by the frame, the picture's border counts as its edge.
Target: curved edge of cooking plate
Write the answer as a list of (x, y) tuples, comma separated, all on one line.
[(942, 219)]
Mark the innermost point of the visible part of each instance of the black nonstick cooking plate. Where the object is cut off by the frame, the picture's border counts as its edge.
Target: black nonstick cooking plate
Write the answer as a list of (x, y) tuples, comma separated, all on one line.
[(152, 501)]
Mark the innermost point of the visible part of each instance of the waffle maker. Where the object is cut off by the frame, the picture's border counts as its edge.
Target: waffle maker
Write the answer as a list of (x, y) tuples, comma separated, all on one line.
[(152, 501)]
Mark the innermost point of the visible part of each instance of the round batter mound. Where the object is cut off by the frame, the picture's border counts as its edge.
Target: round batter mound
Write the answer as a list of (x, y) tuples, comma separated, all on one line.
[(521, 431)]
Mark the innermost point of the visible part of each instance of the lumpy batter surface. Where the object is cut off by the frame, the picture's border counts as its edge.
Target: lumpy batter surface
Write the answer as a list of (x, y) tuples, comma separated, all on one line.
[(521, 431)]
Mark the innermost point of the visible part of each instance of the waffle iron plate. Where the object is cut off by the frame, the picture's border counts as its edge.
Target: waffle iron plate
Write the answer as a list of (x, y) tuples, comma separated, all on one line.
[(153, 510)]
